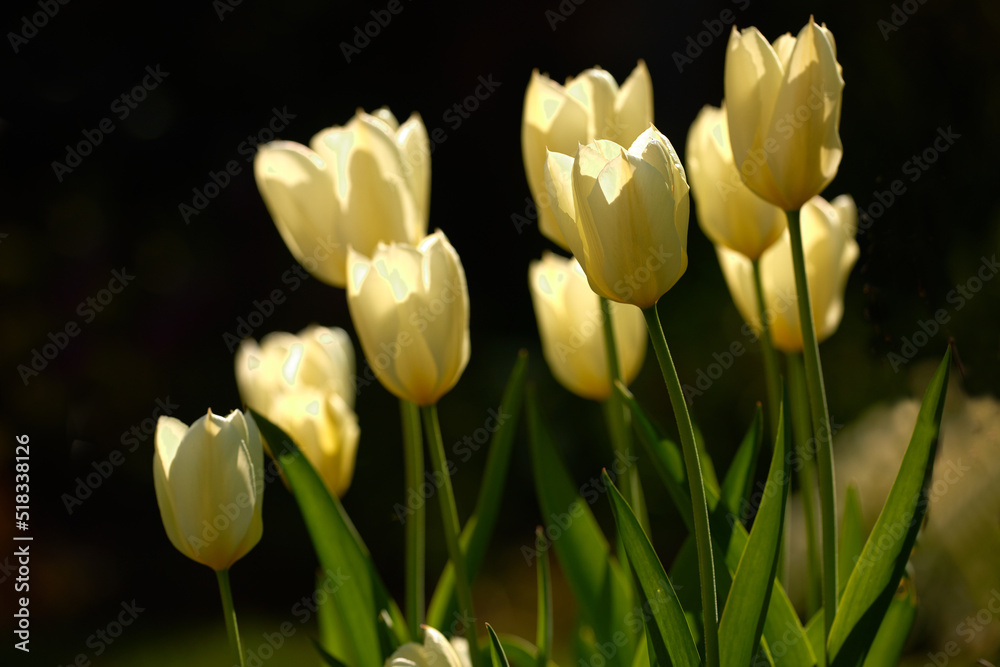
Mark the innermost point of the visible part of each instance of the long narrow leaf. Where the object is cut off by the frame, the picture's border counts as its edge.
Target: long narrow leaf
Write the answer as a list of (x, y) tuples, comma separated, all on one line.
[(782, 625), (895, 629), (669, 632), (738, 482), (602, 591), (876, 575), (743, 616), (852, 536), (544, 622), (498, 657), (478, 529), (359, 596)]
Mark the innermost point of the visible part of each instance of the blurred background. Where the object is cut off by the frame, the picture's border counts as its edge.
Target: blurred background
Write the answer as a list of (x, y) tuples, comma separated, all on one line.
[(215, 78)]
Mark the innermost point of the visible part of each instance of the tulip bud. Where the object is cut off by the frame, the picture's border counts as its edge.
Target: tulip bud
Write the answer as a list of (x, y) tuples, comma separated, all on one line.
[(828, 231), (305, 385), (570, 323), (357, 185), (209, 482), (589, 107), (783, 102), (410, 307), (436, 651), (729, 212), (624, 215)]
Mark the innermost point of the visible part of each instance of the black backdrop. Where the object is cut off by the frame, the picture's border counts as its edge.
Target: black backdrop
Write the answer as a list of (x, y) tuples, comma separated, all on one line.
[(222, 73)]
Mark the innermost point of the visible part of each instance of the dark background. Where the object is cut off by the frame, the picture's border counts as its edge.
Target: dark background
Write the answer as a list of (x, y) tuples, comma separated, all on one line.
[(163, 335)]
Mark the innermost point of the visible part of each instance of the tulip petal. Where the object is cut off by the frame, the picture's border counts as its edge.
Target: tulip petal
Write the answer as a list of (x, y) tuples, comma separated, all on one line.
[(415, 149), (596, 90), (294, 182), (633, 106), (559, 186), (551, 120)]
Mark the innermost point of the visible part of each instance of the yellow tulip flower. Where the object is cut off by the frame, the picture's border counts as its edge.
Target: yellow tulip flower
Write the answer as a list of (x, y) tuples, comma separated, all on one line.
[(410, 307), (828, 231), (783, 102), (570, 323), (589, 107), (305, 385), (357, 185), (624, 215), (209, 481), (729, 212)]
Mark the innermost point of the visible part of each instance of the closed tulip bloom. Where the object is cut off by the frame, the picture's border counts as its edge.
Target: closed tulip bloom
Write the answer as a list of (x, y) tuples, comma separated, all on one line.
[(209, 481), (436, 651), (589, 107), (305, 384), (783, 101), (357, 185), (570, 323), (828, 231), (729, 212), (410, 307), (624, 215)]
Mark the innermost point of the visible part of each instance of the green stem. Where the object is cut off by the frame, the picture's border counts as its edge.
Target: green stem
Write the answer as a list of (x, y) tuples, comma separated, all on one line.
[(230, 613), (413, 457), (618, 417), (702, 535), (449, 517), (802, 428), (770, 358), (821, 424)]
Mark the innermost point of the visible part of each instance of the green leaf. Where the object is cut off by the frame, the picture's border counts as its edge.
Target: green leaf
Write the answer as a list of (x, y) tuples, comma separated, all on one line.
[(669, 632), (476, 534), (519, 651), (326, 657), (816, 632), (544, 613), (360, 593), (641, 658), (602, 591), (743, 616), (895, 629), (729, 537), (852, 536), (707, 466), (876, 575), (386, 634), (738, 483), (499, 658)]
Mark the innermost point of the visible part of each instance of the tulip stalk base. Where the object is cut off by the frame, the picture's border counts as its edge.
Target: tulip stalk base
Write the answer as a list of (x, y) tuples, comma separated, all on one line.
[(449, 518), (618, 416), (770, 357), (232, 629), (823, 438), (696, 481), (413, 456), (798, 396)]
